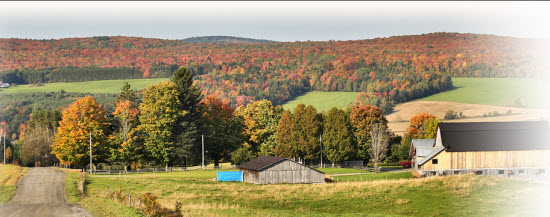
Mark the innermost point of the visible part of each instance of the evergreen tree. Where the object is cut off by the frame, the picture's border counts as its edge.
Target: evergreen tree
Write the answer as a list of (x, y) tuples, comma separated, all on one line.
[(127, 93), (188, 127)]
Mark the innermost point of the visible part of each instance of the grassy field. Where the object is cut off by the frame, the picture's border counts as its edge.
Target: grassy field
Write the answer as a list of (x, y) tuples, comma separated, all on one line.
[(105, 86), (493, 91), (323, 101), (9, 175), (331, 171), (202, 196)]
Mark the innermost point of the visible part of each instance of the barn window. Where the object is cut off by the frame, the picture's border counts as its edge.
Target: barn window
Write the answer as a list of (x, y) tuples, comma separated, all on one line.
[(457, 172), (479, 172), (501, 172), (521, 171), (434, 161)]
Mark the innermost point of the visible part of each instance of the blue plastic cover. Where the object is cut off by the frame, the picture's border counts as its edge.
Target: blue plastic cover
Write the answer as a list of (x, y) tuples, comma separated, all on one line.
[(230, 176)]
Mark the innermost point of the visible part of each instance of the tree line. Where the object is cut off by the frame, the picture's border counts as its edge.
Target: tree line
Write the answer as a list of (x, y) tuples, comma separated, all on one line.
[(166, 125)]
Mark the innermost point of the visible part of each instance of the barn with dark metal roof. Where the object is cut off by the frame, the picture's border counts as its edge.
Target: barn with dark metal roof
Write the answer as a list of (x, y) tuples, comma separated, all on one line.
[(278, 170), (502, 148)]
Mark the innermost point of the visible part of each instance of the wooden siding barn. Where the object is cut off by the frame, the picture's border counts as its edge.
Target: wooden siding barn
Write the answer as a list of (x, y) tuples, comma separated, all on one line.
[(278, 170), (506, 149)]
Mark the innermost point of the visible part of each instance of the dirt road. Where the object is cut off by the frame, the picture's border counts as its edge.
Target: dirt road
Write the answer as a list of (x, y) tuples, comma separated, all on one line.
[(41, 193)]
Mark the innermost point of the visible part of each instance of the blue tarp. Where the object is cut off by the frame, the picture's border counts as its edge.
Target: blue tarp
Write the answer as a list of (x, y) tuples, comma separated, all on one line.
[(230, 176)]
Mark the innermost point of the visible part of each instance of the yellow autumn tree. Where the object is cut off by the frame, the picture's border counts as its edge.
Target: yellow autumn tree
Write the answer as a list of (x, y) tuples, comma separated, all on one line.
[(160, 112), (71, 144)]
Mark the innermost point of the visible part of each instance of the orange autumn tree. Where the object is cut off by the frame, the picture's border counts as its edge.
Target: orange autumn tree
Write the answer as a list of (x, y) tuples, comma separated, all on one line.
[(71, 144), (222, 132), (421, 126), (416, 126), (362, 118)]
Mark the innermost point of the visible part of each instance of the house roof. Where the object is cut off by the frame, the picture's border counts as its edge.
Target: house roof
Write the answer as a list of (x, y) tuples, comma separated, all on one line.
[(423, 142), (260, 163), (424, 151), (494, 136), (435, 151)]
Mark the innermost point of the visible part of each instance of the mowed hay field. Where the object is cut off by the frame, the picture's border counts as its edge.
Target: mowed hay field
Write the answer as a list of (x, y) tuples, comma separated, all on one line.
[(399, 119), (104, 86), (202, 196), (323, 101), (9, 175)]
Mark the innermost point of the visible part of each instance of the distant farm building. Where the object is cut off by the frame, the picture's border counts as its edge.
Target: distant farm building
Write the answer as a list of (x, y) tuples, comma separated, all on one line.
[(420, 148), (506, 149), (278, 170)]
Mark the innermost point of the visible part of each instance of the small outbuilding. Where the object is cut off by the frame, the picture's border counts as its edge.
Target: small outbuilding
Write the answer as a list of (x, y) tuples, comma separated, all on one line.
[(278, 170)]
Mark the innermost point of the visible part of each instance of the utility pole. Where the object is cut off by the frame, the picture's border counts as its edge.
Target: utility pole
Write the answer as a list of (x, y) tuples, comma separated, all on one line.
[(321, 141), (3, 133), (202, 167), (90, 153)]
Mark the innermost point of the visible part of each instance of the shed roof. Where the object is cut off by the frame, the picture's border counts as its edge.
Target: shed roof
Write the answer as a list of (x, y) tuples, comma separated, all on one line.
[(433, 153), (423, 142), (261, 162), (494, 136), (424, 151)]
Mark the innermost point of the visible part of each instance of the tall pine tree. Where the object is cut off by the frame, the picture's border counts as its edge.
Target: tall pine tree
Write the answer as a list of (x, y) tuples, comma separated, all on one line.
[(187, 130)]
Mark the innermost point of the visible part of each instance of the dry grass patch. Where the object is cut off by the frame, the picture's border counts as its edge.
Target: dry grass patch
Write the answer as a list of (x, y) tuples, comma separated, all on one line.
[(399, 119), (9, 176)]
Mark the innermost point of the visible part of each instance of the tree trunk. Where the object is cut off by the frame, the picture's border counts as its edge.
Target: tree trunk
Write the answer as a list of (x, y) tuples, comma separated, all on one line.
[(332, 164), (166, 167), (125, 168)]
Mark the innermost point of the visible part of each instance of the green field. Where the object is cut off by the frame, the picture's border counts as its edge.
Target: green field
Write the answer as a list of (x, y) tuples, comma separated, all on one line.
[(202, 196), (105, 86), (323, 101), (493, 91)]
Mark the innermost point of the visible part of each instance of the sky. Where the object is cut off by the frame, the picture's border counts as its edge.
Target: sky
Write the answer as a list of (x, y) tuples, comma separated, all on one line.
[(280, 21)]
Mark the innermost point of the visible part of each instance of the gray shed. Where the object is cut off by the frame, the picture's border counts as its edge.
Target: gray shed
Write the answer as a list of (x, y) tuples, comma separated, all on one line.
[(278, 170)]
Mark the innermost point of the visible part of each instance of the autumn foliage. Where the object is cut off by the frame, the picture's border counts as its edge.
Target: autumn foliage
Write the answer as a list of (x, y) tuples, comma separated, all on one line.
[(71, 144)]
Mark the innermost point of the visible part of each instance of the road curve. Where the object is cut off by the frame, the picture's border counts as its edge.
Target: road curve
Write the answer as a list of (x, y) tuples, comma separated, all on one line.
[(41, 193)]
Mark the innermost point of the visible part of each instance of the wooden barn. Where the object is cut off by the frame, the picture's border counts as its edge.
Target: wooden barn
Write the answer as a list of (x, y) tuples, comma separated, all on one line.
[(507, 149), (278, 170)]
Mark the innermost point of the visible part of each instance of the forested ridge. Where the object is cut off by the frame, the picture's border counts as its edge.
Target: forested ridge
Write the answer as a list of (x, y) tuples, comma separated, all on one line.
[(388, 70)]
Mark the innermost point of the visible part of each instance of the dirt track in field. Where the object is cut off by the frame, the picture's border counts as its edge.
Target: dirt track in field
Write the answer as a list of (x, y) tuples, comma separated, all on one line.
[(41, 193)]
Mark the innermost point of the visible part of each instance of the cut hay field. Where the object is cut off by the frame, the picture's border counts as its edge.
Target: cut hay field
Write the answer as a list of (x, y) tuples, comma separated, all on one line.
[(323, 101), (9, 175), (202, 196), (399, 119), (104, 86)]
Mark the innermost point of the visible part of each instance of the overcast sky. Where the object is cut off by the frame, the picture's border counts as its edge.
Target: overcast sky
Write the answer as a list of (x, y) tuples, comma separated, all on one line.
[(281, 21)]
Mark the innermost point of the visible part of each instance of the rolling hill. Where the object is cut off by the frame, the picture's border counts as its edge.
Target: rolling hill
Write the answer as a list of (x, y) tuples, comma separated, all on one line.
[(225, 39)]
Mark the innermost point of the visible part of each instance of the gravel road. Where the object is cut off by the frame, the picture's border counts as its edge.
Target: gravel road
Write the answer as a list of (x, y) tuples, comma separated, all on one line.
[(41, 193)]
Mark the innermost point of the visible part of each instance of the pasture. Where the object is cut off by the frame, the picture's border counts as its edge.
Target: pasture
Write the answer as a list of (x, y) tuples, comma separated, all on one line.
[(494, 91), (405, 196), (103, 86), (9, 175), (323, 101)]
